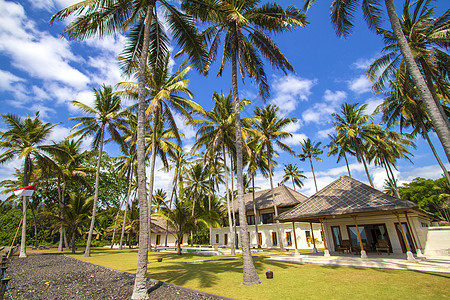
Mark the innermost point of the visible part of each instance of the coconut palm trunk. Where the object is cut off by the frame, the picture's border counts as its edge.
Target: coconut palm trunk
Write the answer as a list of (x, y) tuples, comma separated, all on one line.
[(87, 252), (249, 272), (254, 212), (439, 122), (152, 176), (139, 289), (230, 220), (232, 201), (441, 164), (125, 211), (361, 157), (61, 222), (275, 207), (23, 253), (314, 175), (346, 163)]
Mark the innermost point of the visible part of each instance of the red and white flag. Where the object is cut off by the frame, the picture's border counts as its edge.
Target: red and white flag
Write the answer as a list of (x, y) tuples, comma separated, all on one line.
[(25, 191)]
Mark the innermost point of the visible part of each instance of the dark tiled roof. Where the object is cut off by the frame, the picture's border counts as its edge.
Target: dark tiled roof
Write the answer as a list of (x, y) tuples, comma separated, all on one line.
[(345, 196), (284, 196)]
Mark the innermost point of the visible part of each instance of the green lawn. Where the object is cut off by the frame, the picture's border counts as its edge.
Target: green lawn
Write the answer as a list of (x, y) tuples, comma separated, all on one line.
[(291, 281)]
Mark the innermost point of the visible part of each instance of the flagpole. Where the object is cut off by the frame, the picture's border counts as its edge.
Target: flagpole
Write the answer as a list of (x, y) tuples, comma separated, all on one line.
[(10, 248)]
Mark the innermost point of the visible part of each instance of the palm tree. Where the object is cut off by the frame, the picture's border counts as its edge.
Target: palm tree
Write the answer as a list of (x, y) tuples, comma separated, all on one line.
[(404, 106), (342, 14), (291, 172), (70, 166), (24, 139), (352, 124), (268, 128), (106, 115), (245, 26), (146, 37), (180, 218), (339, 145), (76, 214), (311, 150), (196, 185), (255, 161), (216, 133), (163, 94)]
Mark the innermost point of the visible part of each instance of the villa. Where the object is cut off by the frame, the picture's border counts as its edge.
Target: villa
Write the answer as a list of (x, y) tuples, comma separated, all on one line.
[(262, 224), (358, 218)]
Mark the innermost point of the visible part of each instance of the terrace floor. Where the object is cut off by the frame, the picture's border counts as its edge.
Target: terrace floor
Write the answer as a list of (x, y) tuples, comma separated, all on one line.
[(439, 264)]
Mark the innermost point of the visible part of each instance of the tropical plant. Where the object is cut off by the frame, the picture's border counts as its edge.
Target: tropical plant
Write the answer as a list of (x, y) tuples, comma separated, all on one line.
[(268, 129), (352, 124), (340, 146), (342, 15), (291, 172), (402, 105), (146, 38), (24, 139), (106, 114), (76, 214), (311, 150)]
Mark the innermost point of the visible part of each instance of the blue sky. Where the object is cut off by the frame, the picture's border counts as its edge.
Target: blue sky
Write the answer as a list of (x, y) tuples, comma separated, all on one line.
[(39, 70)]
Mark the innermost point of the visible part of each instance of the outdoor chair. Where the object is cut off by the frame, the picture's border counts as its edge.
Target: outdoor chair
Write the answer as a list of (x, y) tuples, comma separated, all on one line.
[(383, 245), (346, 245), (357, 248)]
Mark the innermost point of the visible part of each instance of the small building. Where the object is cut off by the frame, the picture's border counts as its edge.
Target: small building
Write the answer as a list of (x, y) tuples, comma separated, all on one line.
[(158, 233), (261, 216), (356, 217)]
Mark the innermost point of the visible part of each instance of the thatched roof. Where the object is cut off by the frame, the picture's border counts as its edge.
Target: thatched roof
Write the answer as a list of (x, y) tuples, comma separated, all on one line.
[(158, 225), (346, 196), (284, 196)]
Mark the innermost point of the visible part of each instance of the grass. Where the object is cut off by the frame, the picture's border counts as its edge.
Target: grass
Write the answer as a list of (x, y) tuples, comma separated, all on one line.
[(291, 281)]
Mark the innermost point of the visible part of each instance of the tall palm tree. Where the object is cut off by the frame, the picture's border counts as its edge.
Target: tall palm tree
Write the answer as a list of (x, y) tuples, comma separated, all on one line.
[(339, 145), (217, 133), (105, 115), (70, 166), (255, 161), (76, 214), (24, 139), (352, 124), (164, 92), (403, 105), (268, 128), (146, 37), (311, 150), (342, 15), (245, 26), (386, 148), (196, 185), (291, 172)]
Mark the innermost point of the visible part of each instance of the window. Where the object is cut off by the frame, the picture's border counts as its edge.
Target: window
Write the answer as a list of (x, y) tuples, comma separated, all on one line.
[(158, 239), (237, 239), (236, 219), (267, 218), (308, 235), (336, 236), (274, 239), (288, 238), (225, 239), (259, 238), (251, 220), (217, 238), (422, 224)]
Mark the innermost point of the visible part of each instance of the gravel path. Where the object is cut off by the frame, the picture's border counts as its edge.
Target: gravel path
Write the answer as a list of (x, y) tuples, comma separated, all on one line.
[(54, 276)]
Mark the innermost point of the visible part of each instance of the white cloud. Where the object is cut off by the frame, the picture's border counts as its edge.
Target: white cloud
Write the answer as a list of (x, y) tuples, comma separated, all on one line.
[(323, 134), (36, 53), (337, 96), (372, 104), (360, 85), (289, 90), (7, 80), (295, 139)]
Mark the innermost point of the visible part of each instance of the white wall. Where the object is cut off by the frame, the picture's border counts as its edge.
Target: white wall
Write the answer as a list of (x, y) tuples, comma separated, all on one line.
[(266, 235), (171, 240), (438, 241)]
